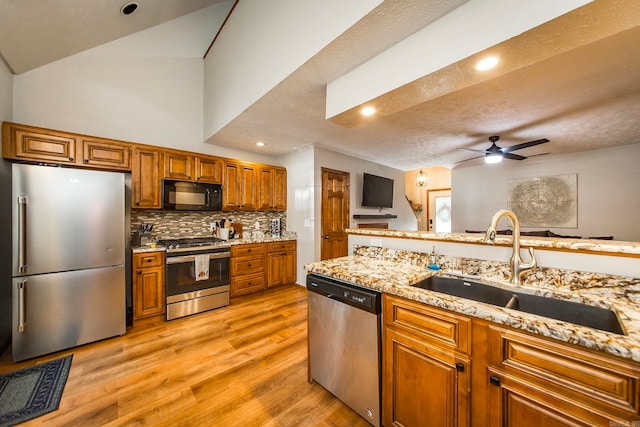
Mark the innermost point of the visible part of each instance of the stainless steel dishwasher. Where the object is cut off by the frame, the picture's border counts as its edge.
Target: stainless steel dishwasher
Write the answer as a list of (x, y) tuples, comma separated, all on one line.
[(344, 343)]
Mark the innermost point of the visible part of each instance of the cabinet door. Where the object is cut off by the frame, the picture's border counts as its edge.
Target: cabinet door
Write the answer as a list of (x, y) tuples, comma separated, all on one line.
[(37, 145), (265, 189), (103, 154), (249, 192), (423, 385), (178, 165), (279, 192), (209, 169), (145, 180), (231, 186), (148, 292), (514, 403), (272, 191), (282, 268)]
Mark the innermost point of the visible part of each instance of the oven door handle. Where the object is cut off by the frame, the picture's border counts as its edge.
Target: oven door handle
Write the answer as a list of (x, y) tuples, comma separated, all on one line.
[(192, 258)]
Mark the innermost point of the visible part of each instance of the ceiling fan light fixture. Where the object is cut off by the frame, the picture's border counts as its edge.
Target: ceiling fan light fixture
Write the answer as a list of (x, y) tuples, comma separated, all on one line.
[(493, 158), (421, 179)]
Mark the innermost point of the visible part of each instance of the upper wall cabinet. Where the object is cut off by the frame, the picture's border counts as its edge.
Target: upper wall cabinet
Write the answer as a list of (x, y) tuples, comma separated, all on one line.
[(273, 189), (245, 186), (185, 166), (44, 145), (145, 179), (239, 186)]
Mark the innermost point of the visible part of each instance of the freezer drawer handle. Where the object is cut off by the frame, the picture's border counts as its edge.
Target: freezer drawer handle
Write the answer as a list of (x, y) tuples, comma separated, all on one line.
[(22, 289), (22, 234)]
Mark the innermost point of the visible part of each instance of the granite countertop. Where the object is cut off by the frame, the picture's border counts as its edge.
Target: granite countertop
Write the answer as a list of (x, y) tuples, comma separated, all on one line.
[(230, 242), (612, 247), (396, 277)]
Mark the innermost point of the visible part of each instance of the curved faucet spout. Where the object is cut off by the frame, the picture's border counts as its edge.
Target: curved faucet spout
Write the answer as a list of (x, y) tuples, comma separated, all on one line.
[(518, 267)]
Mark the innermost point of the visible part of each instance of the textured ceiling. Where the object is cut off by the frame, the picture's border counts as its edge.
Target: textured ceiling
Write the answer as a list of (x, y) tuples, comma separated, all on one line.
[(574, 80), (35, 33)]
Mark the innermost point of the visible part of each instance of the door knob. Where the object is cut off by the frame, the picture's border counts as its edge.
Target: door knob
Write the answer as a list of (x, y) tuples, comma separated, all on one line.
[(326, 236)]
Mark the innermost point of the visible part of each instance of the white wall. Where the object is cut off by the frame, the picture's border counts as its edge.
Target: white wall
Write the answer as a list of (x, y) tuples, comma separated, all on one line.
[(356, 167), (262, 43), (146, 87), (300, 205), (608, 196), (6, 93)]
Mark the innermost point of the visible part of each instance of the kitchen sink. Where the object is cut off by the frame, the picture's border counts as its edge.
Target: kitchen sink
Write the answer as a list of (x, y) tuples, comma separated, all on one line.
[(567, 311)]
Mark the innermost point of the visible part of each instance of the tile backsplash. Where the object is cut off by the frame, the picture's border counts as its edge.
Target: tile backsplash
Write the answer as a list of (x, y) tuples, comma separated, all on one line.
[(171, 224)]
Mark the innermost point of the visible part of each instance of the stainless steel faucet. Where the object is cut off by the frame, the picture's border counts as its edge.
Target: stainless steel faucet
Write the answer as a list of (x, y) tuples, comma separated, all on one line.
[(517, 266)]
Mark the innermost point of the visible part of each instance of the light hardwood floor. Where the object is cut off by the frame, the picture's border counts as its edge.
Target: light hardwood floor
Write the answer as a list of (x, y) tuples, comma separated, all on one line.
[(241, 365)]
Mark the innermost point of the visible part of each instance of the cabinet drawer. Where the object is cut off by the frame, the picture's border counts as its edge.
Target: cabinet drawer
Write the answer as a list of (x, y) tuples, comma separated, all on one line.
[(437, 326), (247, 250), (289, 246), (150, 259), (248, 284), (599, 379), (246, 265)]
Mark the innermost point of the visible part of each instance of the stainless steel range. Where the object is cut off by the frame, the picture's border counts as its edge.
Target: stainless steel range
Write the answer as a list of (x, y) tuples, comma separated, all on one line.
[(197, 275)]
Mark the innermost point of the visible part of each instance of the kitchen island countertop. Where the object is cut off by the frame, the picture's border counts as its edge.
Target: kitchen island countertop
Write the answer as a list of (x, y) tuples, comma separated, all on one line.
[(397, 277)]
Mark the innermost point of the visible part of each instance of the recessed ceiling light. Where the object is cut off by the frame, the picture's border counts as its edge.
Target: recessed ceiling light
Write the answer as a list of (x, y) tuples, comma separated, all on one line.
[(487, 63), (129, 8), (260, 144), (368, 111)]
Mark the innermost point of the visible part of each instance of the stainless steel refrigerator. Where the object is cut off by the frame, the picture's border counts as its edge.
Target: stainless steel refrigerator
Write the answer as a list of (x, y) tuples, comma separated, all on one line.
[(68, 264)]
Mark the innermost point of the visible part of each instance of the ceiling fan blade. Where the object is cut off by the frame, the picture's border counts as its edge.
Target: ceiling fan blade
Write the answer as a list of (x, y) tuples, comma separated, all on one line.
[(524, 145), (513, 156), (466, 160), (471, 149)]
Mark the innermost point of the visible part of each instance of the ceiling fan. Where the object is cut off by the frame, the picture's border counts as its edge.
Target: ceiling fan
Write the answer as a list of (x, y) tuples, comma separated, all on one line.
[(495, 154)]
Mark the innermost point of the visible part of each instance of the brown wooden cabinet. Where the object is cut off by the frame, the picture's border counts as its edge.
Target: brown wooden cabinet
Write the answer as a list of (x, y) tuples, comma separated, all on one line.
[(178, 165), (239, 190), (209, 169), (148, 284), (248, 272), (101, 153), (426, 365), (145, 179), (441, 367), (282, 263), (538, 382), (43, 145), (272, 188)]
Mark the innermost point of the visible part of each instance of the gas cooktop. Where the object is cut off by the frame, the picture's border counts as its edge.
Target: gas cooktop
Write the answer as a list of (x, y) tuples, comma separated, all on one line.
[(201, 243)]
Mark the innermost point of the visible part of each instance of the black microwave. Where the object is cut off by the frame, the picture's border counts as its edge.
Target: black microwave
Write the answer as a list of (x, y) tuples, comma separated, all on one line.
[(191, 196)]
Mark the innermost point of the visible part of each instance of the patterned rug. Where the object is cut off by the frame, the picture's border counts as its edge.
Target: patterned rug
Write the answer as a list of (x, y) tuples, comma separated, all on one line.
[(33, 391)]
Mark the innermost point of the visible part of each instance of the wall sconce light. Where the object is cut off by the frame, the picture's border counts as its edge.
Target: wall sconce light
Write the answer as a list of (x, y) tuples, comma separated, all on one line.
[(421, 179)]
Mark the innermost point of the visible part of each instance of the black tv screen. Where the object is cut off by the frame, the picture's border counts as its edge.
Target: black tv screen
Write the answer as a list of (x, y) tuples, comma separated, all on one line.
[(377, 191)]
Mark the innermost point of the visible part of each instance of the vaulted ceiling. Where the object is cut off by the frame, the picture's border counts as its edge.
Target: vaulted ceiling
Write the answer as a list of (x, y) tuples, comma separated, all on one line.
[(574, 80)]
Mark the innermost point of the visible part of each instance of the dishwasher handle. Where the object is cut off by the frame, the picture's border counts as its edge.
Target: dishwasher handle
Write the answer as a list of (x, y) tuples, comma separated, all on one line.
[(364, 299)]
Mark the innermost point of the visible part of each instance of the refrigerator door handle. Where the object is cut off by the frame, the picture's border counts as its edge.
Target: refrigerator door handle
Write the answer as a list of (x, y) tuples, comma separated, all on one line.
[(22, 310), (22, 234)]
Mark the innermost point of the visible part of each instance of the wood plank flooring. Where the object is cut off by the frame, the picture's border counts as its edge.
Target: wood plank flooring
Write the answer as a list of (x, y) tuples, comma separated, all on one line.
[(241, 365)]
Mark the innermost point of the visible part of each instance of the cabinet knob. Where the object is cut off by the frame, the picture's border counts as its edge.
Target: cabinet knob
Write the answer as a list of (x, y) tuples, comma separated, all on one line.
[(494, 380), (460, 367), (86, 160), (139, 272), (71, 159)]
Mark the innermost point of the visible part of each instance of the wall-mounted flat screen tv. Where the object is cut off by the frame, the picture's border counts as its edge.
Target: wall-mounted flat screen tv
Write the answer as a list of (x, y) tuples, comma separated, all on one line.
[(377, 191)]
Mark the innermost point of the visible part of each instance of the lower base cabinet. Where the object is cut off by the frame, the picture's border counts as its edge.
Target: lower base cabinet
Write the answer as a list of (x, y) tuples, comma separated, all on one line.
[(282, 263), (148, 284), (445, 369), (247, 269)]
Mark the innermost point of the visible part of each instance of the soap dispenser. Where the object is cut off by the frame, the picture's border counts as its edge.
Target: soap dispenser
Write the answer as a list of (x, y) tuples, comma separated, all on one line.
[(433, 265)]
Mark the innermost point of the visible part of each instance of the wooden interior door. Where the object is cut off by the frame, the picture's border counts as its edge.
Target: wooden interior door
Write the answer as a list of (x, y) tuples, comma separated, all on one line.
[(335, 213)]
